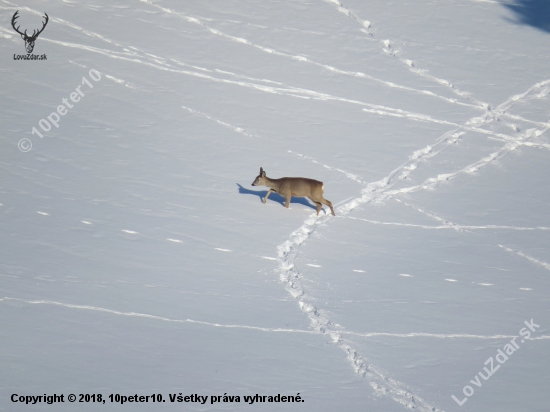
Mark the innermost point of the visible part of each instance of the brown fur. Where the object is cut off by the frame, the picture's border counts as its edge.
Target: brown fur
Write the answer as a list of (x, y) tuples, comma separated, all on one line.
[(294, 186)]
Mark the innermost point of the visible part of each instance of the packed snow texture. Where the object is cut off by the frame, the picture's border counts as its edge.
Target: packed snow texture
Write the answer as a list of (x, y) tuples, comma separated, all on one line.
[(136, 258)]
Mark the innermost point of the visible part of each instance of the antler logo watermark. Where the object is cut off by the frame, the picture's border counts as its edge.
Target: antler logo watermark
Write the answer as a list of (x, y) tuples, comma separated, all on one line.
[(29, 40), (501, 357)]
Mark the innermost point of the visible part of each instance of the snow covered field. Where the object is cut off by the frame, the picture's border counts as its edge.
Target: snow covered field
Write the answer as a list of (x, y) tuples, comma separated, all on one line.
[(136, 257)]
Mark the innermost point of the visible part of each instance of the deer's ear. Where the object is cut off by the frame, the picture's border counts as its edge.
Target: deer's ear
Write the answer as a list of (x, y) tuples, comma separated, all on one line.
[(261, 170)]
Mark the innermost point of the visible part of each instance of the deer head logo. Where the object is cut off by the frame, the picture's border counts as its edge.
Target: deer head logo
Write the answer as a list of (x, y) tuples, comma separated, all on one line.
[(29, 40)]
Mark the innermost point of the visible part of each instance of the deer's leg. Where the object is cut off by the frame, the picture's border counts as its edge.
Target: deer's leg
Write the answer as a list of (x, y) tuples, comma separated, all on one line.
[(318, 204), (327, 202), (266, 196), (287, 201)]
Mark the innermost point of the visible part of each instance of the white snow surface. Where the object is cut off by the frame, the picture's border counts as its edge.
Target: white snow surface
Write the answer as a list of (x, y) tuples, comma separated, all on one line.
[(136, 257)]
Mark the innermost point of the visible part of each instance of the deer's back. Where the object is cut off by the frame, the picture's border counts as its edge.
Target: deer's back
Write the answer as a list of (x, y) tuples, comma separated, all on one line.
[(299, 186)]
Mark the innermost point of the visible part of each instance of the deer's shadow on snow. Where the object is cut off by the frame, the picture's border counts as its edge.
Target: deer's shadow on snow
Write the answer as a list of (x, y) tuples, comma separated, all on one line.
[(275, 197)]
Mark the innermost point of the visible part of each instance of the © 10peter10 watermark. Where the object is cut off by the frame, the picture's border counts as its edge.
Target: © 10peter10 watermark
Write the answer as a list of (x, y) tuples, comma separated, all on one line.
[(501, 357), (55, 117)]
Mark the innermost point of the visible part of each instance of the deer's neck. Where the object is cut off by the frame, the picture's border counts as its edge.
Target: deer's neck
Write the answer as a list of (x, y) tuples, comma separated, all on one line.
[(272, 183)]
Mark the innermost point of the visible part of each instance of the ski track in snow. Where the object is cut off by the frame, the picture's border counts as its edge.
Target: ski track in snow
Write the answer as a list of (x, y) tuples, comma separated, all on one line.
[(447, 224), (133, 54), (379, 191), (450, 225), (291, 91), (200, 22), (242, 131), (154, 317), (347, 174), (532, 259), (387, 48), (453, 226), (438, 335), (258, 328), (230, 126), (380, 383), (541, 145)]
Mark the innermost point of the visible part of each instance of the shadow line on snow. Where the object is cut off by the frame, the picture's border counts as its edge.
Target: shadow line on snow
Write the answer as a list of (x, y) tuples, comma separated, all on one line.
[(274, 197), (535, 13)]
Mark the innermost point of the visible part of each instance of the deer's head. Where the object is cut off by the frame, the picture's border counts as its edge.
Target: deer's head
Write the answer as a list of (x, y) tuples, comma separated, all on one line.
[(29, 40), (260, 180)]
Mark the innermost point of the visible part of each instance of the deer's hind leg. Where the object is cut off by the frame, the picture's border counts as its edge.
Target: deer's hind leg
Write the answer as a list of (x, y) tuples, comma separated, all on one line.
[(329, 204), (318, 204)]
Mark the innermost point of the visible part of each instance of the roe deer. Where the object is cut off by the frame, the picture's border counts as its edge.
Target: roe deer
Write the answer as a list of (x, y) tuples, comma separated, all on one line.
[(294, 186)]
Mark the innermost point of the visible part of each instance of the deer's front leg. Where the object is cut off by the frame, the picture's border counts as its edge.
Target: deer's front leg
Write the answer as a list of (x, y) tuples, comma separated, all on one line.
[(287, 201), (268, 193)]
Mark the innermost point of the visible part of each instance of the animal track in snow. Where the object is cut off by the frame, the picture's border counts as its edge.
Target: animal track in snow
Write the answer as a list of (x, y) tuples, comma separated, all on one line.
[(269, 50), (344, 10), (133, 55), (390, 50), (433, 182), (380, 189)]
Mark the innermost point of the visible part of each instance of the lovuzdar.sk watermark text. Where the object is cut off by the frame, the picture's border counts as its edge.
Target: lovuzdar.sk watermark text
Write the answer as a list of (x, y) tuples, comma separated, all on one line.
[(501, 357)]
